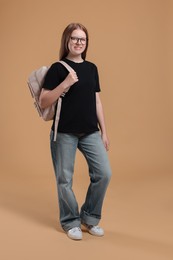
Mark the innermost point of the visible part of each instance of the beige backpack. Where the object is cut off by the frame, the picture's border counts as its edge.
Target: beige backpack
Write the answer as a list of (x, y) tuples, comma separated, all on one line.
[(35, 82)]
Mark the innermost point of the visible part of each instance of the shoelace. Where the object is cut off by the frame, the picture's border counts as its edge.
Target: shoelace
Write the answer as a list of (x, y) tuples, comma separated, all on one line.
[(94, 227), (97, 227), (76, 229)]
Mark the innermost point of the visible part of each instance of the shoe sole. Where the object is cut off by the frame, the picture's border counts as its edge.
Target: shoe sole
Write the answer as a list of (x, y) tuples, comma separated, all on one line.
[(94, 234), (74, 238)]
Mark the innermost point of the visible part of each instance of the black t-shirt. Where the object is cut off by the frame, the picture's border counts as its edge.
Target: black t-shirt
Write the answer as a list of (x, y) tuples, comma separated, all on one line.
[(78, 111)]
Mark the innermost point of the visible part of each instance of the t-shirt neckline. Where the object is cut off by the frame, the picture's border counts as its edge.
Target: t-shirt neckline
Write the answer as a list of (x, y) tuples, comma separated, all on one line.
[(74, 61)]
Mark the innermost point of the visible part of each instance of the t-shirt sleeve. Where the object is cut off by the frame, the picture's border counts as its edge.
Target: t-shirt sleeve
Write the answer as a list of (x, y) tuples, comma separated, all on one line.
[(97, 85), (52, 78)]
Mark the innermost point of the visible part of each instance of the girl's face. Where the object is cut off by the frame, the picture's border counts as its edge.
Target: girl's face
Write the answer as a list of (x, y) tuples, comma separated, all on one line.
[(77, 42)]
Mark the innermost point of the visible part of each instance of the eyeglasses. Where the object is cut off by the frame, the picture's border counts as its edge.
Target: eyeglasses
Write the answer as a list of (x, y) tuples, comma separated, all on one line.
[(76, 40)]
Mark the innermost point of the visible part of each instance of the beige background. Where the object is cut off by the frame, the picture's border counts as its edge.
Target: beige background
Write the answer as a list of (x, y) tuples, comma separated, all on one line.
[(131, 43)]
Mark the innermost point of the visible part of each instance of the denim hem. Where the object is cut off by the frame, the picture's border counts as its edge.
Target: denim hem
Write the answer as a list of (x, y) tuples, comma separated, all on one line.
[(70, 225), (89, 220)]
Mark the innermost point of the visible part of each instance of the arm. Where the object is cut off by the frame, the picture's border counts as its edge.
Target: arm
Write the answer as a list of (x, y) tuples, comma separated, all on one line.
[(48, 97), (101, 120)]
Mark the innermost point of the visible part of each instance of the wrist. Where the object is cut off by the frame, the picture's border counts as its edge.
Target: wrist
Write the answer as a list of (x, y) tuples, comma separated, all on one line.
[(64, 86), (103, 132)]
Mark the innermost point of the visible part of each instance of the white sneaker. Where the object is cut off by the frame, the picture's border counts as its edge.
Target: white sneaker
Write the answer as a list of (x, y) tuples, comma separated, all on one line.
[(95, 230), (75, 233)]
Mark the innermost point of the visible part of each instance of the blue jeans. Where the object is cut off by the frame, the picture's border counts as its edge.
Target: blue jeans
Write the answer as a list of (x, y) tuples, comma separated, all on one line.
[(63, 152)]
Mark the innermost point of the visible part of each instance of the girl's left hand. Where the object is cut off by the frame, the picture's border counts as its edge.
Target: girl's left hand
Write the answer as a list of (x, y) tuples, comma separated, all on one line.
[(105, 141)]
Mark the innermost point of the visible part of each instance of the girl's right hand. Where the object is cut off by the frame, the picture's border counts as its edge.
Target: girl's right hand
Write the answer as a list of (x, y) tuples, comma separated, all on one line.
[(70, 80)]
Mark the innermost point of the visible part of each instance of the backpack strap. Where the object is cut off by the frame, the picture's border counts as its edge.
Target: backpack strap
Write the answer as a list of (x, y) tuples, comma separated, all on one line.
[(66, 65), (58, 110)]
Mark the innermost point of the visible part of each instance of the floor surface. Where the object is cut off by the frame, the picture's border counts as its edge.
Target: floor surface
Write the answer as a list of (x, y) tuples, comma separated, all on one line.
[(137, 218)]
